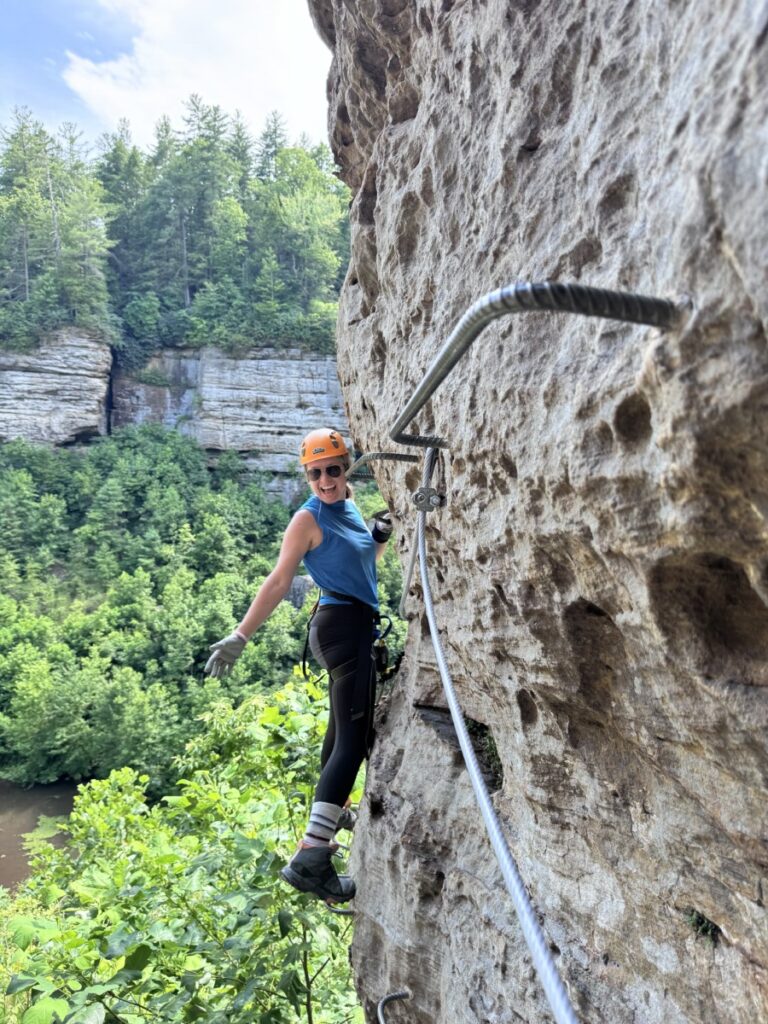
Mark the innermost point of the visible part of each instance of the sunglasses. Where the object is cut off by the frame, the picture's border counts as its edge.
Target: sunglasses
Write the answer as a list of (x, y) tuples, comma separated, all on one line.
[(332, 471)]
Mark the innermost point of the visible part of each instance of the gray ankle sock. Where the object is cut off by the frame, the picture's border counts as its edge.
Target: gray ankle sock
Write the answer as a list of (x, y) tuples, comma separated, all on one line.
[(322, 823)]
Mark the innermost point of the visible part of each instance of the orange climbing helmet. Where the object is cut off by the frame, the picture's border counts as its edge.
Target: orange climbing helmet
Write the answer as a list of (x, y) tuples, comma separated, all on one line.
[(322, 444)]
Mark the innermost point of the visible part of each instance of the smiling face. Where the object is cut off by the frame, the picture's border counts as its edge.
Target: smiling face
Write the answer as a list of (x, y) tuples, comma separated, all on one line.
[(327, 488)]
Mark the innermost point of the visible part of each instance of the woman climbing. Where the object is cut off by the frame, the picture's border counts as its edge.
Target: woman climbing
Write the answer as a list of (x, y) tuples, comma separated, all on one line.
[(329, 535)]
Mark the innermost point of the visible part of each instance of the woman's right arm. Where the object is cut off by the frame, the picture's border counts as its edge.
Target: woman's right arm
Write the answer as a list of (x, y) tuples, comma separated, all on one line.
[(301, 535)]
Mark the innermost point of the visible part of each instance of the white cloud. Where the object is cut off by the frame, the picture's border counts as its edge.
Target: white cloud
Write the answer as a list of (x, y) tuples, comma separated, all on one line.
[(249, 55)]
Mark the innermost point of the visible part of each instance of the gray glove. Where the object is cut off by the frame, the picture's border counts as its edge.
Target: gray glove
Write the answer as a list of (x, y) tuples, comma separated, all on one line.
[(382, 526), (225, 654)]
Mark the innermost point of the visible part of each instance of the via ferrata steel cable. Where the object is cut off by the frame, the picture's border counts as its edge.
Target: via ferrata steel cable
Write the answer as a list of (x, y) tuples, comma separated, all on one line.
[(537, 944), (520, 297)]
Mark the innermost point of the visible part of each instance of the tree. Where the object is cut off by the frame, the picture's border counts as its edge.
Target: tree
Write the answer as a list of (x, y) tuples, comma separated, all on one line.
[(206, 239), (26, 215), (228, 225), (53, 243), (124, 175), (82, 265), (240, 148), (272, 139)]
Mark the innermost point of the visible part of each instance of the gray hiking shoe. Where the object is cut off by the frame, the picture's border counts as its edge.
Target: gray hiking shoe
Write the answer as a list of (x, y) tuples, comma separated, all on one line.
[(310, 870), (347, 820)]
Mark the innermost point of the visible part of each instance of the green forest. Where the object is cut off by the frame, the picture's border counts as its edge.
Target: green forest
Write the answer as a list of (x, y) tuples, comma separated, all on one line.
[(121, 563), (210, 238)]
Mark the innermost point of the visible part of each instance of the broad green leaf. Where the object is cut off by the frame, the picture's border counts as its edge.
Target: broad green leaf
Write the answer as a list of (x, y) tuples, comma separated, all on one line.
[(20, 983), (284, 920), (119, 941), (23, 932), (189, 980), (138, 959), (47, 827), (244, 996), (93, 1014), (45, 1011), (102, 988)]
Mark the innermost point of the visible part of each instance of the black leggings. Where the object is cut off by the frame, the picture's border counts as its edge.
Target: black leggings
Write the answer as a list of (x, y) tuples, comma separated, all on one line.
[(340, 639)]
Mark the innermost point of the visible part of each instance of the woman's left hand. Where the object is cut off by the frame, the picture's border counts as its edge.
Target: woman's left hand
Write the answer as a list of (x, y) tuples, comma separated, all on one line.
[(382, 526), (225, 654)]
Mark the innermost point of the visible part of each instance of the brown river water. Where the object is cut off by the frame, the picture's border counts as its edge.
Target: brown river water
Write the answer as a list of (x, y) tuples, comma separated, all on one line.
[(19, 812)]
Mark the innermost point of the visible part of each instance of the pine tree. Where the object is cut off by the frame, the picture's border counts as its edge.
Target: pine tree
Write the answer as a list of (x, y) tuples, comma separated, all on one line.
[(125, 175), (272, 139)]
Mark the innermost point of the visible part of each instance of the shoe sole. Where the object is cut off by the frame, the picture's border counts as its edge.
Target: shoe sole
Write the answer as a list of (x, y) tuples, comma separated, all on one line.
[(304, 885)]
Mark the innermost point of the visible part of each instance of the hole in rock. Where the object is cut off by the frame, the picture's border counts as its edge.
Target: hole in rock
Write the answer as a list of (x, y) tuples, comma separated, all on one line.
[(508, 466), (500, 602), (81, 437), (597, 441), (487, 754), (404, 104), (711, 616), (431, 885), (702, 925), (529, 713), (632, 420), (598, 651), (480, 737), (375, 806), (368, 197)]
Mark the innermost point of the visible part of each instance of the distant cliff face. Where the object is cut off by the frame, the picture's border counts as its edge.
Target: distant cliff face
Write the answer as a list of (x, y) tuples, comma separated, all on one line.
[(260, 404), (56, 394), (601, 568)]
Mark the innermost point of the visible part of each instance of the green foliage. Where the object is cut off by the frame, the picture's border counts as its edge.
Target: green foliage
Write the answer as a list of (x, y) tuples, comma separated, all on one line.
[(703, 926), (209, 239), (121, 564), (173, 911), (53, 238)]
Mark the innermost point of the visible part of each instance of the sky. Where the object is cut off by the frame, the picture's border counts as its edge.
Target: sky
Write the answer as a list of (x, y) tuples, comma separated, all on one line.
[(94, 62)]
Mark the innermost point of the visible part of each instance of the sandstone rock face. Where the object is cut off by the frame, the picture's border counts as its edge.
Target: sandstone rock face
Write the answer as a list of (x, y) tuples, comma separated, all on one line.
[(56, 394), (601, 568), (261, 404)]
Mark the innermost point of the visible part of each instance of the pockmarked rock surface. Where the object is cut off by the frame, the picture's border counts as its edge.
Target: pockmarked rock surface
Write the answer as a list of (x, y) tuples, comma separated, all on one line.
[(57, 393), (260, 404), (601, 568)]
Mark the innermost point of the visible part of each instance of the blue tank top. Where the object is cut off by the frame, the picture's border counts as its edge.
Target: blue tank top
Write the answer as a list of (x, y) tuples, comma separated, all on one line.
[(345, 560)]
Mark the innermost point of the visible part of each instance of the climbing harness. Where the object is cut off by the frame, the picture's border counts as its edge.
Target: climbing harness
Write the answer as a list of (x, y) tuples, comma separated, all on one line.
[(379, 647), (553, 297), (405, 994)]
